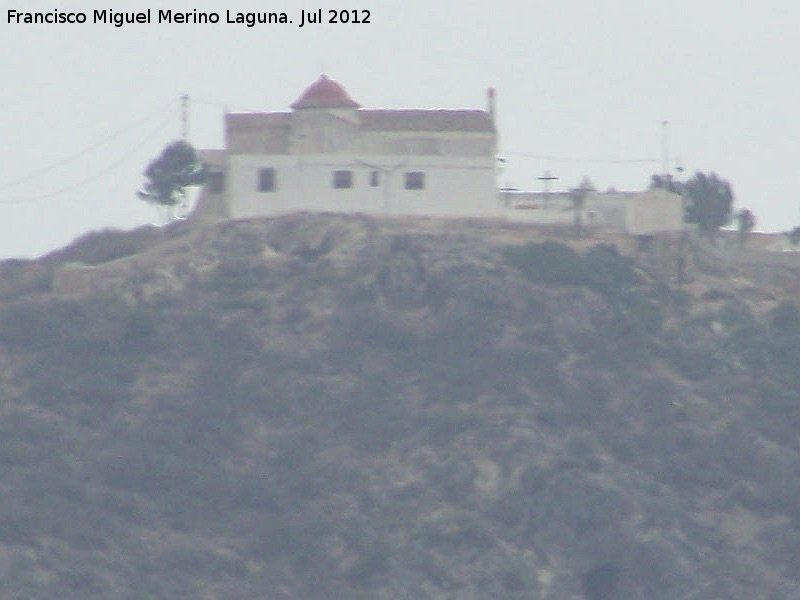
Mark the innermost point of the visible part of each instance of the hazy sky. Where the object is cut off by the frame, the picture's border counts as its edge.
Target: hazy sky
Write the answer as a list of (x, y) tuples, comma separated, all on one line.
[(583, 87)]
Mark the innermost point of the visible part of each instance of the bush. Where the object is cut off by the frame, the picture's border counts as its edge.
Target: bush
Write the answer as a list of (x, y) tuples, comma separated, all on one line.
[(602, 268), (98, 247), (19, 278), (643, 312), (785, 317), (608, 271), (548, 262), (689, 354)]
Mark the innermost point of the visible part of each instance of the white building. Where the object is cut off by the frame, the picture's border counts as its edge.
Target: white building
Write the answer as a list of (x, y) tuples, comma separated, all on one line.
[(329, 154), (648, 212)]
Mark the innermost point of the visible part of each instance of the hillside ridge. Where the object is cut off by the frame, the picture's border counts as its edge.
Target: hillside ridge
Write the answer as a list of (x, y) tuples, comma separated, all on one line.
[(318, 406)]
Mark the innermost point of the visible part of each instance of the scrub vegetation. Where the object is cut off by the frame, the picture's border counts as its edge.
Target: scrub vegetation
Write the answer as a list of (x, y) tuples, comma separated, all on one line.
[(342, 407)]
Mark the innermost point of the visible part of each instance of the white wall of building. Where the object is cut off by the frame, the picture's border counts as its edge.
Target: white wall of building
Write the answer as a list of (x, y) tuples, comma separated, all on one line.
[(326, 131), (453, 186), (637, 213), (654, 211)]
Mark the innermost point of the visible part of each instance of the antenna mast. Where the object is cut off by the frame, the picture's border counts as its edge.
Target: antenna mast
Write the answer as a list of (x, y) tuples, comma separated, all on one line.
[(185, 117)]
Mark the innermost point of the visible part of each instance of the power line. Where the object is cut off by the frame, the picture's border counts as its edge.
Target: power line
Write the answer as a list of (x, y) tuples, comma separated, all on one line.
[(83, 152), (224, 107), (97, 175), (575, 159)]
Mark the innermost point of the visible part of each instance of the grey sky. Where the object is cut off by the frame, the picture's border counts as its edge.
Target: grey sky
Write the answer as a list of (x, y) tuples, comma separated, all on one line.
[(582, 89)]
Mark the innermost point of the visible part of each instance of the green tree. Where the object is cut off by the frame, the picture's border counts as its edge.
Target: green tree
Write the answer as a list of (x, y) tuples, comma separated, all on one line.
[(169, 175), (666, 182), (709, 202), (793, 236)]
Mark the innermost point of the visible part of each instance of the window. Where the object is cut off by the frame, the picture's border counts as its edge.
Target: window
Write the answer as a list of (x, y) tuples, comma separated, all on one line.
[(342, 179), (374, 179), (266, 180), (415, 180), (215, 182)]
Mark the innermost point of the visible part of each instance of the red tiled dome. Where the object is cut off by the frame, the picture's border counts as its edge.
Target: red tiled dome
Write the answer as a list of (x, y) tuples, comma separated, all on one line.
[(324, 93)]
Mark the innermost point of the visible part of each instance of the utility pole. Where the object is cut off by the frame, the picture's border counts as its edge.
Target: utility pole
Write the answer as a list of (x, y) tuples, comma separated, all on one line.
[(171, 214), (665, 147), (546, 179), (578, 196), (185, 117), (386, 178)]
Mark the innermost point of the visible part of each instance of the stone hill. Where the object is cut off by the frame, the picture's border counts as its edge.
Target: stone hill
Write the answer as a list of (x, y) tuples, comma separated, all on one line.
[(347, 407)]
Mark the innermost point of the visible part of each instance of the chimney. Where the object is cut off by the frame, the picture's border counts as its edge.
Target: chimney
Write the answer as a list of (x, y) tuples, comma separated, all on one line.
[(490, 102)]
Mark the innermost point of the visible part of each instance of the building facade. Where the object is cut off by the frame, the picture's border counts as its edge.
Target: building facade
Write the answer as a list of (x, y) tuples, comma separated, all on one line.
[(329, 154), (644, 213)]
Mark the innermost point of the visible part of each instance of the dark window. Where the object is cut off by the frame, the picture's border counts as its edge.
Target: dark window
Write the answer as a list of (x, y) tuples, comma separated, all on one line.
[(266, 180), (374, 179), (415, 180), (215, 182), (342, 179)]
